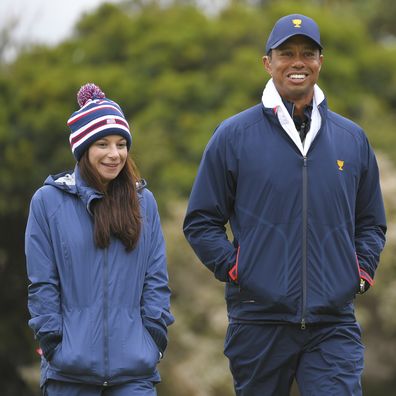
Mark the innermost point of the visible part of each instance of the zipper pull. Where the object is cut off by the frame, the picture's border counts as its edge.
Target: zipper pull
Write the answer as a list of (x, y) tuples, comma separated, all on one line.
[(303, 326)]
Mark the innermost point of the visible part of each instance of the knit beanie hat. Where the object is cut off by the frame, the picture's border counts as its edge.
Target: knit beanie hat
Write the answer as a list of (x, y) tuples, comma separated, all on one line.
[(98, 117)]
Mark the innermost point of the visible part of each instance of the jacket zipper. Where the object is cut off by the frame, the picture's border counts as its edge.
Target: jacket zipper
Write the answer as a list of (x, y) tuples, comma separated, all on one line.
[(304, 242), (106, 316)]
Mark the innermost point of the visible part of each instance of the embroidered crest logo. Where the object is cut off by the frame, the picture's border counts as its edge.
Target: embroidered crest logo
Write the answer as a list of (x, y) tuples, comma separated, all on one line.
[(340, 165), (297, 23)]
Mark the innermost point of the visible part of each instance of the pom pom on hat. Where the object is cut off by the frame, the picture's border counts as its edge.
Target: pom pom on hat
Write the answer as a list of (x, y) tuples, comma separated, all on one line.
[(98, 117), (87, 92)]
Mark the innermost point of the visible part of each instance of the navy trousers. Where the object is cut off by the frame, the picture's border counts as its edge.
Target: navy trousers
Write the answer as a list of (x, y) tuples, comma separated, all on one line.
[(324, 360), (136, 388)]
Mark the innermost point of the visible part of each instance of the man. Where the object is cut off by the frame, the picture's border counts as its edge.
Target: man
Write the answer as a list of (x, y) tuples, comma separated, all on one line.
[(299, 185)]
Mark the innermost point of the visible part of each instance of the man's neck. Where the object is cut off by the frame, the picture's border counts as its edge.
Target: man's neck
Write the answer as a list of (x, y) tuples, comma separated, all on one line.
[(299, 108), (302, 122)]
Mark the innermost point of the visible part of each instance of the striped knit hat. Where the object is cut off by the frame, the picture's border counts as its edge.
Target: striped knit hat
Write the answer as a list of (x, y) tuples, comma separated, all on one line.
[(97, 117)]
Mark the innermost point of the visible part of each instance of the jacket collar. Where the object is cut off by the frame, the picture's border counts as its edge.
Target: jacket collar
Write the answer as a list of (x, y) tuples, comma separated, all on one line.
[(271, 99), (72, 182)]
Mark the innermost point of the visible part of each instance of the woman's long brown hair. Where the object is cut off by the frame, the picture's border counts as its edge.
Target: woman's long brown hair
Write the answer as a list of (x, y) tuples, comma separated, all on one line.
[(118, 212)]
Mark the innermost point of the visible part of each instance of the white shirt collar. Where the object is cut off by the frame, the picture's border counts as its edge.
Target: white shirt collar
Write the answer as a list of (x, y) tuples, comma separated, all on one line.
[(271, 99)]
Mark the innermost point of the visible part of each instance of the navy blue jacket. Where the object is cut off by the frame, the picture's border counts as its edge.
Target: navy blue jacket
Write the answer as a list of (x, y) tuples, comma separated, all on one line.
[(305, 228), (103, 306)]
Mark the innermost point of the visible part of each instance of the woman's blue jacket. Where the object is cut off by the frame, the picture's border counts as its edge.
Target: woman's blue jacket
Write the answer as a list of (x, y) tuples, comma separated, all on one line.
[(100, 315)]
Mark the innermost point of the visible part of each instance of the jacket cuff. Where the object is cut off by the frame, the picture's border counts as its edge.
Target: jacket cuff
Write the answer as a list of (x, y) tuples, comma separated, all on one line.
[(158, 334), (48, 342)]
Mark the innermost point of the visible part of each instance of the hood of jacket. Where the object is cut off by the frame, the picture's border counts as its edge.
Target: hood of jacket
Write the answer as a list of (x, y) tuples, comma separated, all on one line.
[(72, 183)]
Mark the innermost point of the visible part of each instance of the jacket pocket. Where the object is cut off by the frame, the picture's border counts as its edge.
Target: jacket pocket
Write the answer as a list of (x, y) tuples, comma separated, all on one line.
[(139, 353), (265, 269), (334, 275), (74, 354)]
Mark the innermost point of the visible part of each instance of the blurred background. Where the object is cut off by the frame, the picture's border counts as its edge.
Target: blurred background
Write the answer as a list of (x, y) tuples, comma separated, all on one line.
[(178, 68)]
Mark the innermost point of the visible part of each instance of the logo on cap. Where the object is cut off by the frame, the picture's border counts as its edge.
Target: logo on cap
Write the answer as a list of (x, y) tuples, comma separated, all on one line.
[(297, 23)]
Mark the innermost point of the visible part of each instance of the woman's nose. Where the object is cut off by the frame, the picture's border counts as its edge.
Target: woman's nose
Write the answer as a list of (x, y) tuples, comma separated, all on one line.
[(113, 151)]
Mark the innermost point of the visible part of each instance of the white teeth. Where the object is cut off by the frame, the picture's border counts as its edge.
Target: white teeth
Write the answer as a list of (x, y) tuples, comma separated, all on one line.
[(297, 76)]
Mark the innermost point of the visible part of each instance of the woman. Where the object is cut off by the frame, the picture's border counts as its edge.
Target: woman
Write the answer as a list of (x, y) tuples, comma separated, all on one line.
[(98, 294)]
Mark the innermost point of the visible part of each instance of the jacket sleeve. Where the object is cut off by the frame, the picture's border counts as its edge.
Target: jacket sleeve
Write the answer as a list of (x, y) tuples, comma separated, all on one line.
[(370, 226), (211, 204), (43, 289), (156, 293)]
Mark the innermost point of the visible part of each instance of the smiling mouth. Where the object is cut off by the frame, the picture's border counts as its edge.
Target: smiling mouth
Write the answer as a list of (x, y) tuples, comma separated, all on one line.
[(111, 165), (297, 76)]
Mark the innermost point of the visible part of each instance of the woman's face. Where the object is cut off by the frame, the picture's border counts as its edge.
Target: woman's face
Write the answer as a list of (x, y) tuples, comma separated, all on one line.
[(108, 156)]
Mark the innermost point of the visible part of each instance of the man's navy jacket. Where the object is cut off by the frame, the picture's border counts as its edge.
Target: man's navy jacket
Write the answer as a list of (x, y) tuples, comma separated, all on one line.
[(305, 229)]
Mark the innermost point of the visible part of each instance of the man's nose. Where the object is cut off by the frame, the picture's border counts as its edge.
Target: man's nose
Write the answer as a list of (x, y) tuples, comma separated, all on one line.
[(298, 60)]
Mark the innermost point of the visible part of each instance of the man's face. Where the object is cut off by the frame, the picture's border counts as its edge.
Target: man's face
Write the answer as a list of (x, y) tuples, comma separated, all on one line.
[(294, 67)]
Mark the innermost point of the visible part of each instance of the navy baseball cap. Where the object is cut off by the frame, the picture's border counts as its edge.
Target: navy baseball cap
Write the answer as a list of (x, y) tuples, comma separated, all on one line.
[(292, 25)]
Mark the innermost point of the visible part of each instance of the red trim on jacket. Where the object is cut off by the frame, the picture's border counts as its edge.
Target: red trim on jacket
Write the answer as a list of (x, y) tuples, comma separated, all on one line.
[(233, 272), (363, 274)]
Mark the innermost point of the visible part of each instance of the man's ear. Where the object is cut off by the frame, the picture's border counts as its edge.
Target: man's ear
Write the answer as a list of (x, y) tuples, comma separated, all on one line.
[(321, 61), (267, 64)]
